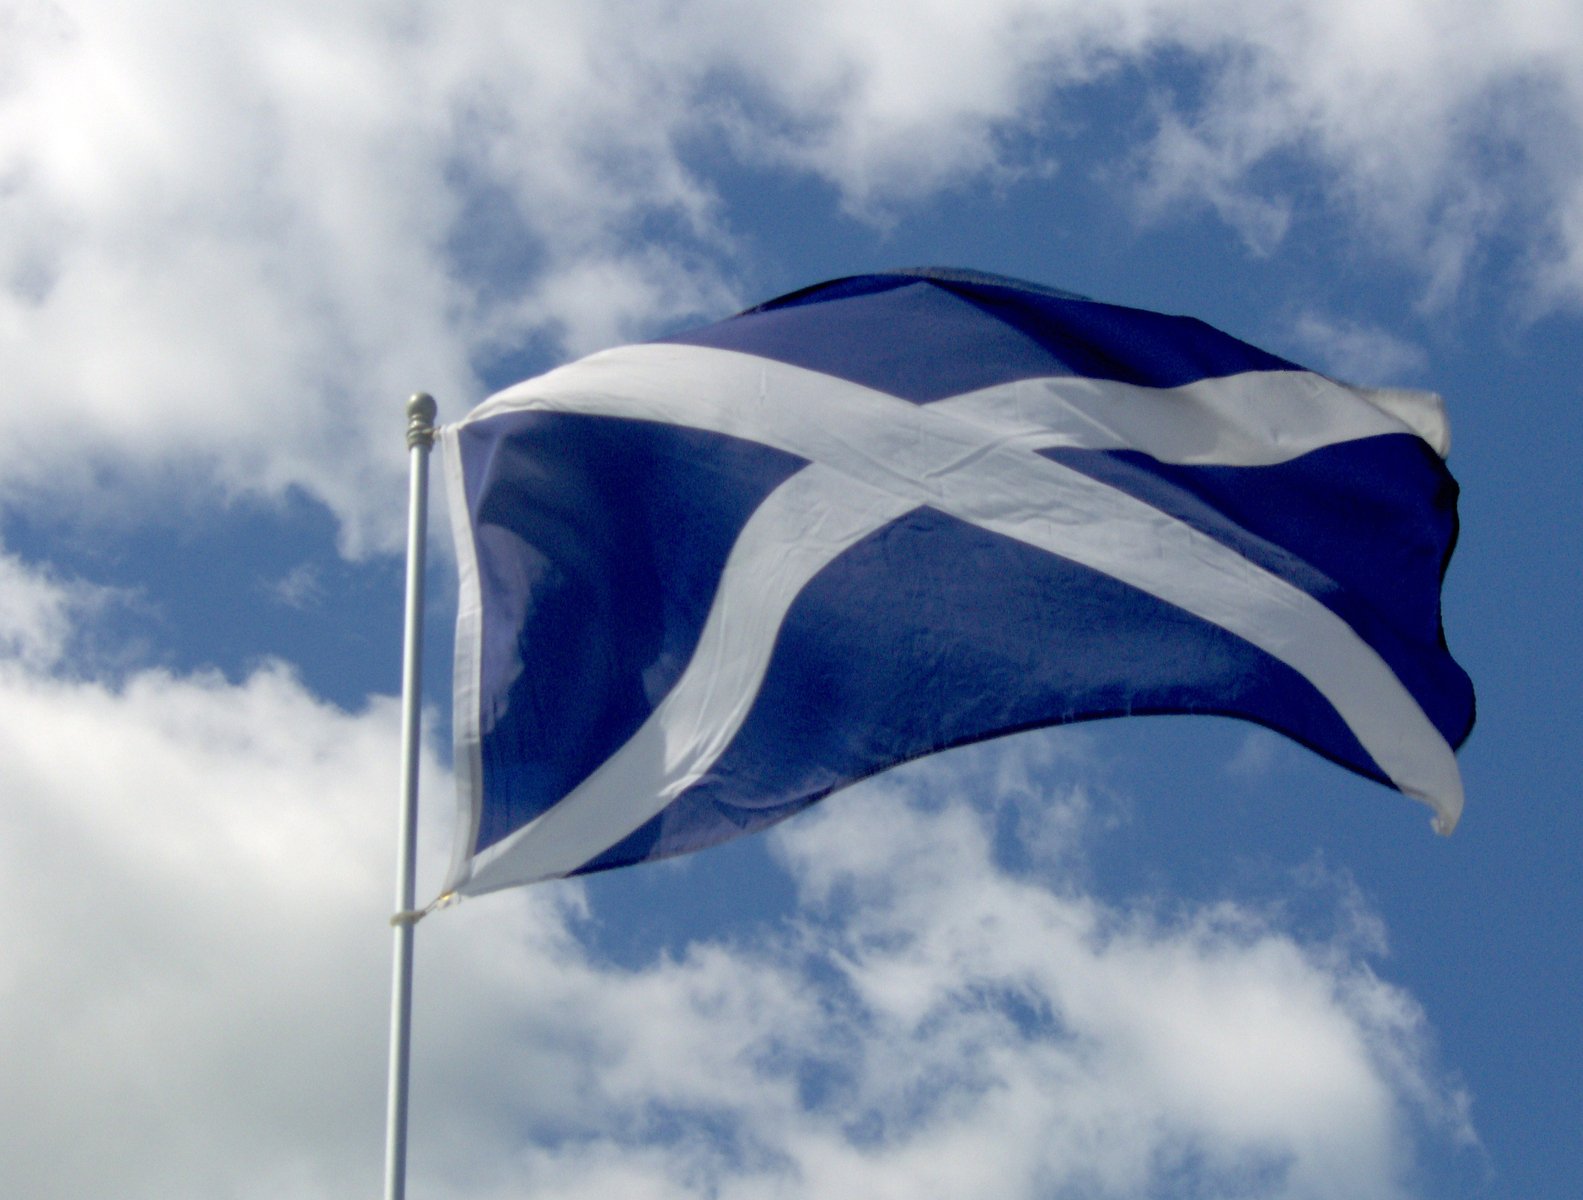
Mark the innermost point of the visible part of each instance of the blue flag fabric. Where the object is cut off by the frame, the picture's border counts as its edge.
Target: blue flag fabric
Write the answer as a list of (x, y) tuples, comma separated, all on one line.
[(708, 580)]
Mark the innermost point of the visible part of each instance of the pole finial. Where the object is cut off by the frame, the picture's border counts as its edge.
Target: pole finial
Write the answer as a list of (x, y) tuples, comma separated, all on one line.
[(421, 411)]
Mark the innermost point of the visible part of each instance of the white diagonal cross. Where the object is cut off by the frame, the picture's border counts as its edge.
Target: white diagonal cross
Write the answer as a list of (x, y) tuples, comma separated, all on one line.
[(874, 457)]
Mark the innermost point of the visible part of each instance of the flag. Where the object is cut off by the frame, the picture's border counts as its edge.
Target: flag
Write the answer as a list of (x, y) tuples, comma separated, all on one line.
[(708, 580)]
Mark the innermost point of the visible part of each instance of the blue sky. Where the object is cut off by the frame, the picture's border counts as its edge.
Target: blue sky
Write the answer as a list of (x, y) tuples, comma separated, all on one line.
[(1143, 958)]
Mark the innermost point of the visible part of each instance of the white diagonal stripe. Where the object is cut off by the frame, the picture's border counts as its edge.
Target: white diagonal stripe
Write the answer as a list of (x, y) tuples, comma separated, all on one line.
[(1253, 419), (874, 458)]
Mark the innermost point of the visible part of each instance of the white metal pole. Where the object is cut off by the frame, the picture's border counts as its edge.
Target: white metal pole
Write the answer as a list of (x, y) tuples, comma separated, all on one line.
[(421, 411)]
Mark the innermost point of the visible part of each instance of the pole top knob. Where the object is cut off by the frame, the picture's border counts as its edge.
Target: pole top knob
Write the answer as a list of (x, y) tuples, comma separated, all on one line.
[(421, 411)]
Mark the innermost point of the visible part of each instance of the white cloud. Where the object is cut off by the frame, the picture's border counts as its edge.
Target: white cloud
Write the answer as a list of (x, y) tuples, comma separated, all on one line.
[(1559, 262), (35, 617), (1256, 754), (301, 588), (1406, 108), (40, 613), (192, 1002), (1212, 1036), (1357, 353), (188, 1001), (229, 236)]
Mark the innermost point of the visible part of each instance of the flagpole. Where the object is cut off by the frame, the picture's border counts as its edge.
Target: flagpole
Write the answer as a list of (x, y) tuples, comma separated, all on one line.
[(421, 411)]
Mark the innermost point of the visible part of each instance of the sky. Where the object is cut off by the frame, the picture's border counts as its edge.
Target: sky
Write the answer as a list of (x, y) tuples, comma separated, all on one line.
[(1142, 958)]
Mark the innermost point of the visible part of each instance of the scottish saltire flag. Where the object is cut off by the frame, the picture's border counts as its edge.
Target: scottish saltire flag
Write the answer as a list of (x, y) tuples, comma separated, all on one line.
[(710, 579)]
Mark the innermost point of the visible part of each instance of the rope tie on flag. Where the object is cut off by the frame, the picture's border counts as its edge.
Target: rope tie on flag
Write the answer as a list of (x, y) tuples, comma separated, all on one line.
[(412, 916)]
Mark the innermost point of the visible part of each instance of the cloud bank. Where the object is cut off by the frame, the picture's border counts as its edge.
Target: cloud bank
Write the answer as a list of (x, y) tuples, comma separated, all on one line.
[(230, 242), (193, 995)]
